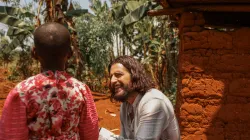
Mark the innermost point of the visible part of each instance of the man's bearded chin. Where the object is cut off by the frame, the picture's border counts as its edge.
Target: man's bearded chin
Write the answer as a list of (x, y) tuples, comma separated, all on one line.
[(121, 98)]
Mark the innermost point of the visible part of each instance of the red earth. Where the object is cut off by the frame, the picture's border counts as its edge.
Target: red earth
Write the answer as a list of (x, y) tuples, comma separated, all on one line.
[(108, 112)]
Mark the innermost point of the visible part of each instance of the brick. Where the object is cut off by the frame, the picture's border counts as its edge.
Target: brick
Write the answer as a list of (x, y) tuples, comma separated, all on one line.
[(197, 85), (214, 59), (186, 29), (196, 75), (196, 119), (192, 35), (199, 22), (242, 38), (211, 111), (200, 131), (229, 112), (205, 33), (199, 15), (217, 98), (190, 68), (195, 124), (217, 137), (197, 60), (215, 131), (195, 137), (188, 23), (196, 93), (211, 101), (196, 29), (185, 124), (185, 82), (236, 100), (193, 109), (192, 45), (190, 130), (186, 38), (210, 91), (187, 15), (234, 59), (240, 87), (245, 137), (238, 75), (220, 40), (192, 100), (224, 52), (232, 135), (184, 113), (205, 45)]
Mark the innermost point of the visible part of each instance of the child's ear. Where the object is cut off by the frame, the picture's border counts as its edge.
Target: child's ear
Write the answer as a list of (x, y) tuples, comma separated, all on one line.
[(33, 53)]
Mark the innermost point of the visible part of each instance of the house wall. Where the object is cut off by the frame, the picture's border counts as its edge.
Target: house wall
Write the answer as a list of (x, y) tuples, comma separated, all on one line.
[(213, 101)]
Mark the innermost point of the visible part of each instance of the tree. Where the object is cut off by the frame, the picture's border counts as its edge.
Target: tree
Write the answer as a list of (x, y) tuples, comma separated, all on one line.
[(57, 11), (62, 11), (6, 55), (95, 32), (154, 40)]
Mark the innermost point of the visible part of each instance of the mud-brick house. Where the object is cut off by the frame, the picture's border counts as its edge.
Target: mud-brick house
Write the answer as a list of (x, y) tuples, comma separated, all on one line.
[(213, 101)]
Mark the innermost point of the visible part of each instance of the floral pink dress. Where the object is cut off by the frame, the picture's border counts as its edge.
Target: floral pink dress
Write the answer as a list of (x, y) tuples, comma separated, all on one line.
[(49, 106)]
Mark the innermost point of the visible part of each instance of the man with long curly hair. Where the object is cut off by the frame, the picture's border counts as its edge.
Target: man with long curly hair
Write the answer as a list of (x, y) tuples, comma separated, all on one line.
[(145, 112)]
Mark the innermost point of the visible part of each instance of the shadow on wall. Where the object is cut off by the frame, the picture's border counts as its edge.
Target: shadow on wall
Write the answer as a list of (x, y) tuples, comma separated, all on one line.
[(214, 93)]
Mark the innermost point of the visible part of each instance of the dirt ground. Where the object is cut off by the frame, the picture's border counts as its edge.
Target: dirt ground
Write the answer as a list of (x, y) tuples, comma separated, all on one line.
[(108, 113)]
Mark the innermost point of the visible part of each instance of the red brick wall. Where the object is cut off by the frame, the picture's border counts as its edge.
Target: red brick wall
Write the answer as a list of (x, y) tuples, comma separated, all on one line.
[(213, 101)]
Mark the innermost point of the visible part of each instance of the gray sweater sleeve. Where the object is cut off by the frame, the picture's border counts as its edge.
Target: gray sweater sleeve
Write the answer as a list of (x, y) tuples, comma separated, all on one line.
[(152, 119), (122, 129)]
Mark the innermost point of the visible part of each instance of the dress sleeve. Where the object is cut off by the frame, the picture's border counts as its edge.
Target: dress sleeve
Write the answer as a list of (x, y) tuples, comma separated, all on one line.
[(13, 123), (152, 120), (88, 127)]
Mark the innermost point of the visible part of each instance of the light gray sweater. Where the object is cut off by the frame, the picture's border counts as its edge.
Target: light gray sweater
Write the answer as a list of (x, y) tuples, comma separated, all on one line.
[(154, 118)]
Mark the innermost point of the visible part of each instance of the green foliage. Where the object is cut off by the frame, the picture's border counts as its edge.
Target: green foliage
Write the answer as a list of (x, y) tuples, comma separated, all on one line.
[(101, 38), (171, 93), (24, 63), (154, 41), (15, 75), (138, 13), (12, 11), (20, 29), (129, 12), (6, 55), (76, 13), (95, 32)]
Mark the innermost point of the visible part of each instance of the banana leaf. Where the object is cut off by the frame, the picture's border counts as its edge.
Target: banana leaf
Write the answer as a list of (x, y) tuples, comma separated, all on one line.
[(12, 11), (76, 13), (138, 13), (12, 31), (155, 42), (123, 8), (14, 43), (133, 5), (12, 21), (119, 11)]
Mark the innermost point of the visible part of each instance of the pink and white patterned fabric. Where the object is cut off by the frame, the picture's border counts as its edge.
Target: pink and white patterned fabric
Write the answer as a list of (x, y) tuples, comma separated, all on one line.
[(49, 106)]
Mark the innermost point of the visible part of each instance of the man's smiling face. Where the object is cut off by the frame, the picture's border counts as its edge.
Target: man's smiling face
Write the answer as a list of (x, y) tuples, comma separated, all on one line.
[(120, 79)]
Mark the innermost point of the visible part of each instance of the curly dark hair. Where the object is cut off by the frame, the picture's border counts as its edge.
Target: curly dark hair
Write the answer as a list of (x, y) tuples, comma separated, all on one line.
[(140, 81)]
